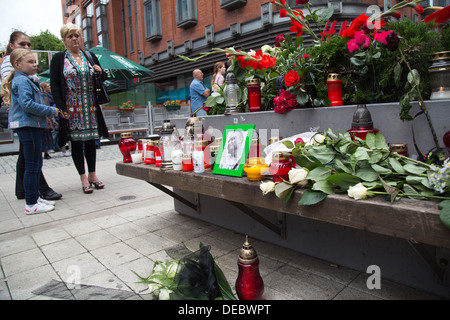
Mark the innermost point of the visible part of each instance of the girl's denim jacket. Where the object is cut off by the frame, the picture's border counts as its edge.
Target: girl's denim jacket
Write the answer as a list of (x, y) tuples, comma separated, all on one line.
[(27, 107)]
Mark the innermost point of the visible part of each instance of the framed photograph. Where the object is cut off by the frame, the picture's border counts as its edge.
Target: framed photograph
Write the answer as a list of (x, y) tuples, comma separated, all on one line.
[(234, 150)]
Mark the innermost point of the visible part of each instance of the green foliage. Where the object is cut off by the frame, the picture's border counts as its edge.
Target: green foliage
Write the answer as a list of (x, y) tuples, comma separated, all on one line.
[(46, 41), (341, 164)]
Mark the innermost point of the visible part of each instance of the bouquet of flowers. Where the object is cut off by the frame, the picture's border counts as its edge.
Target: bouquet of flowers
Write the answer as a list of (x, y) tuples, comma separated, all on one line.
[(336, 163), (193, 277)]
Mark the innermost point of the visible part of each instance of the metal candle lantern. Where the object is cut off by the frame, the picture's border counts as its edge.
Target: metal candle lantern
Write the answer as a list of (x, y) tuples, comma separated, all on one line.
[(440, 75), (249, 284), (166, 144), (334, 85), (254, 95), (362, 123), (232, 94)]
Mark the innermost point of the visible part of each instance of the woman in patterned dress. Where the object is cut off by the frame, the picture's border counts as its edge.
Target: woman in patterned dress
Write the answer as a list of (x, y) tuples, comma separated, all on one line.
[(71, 81)]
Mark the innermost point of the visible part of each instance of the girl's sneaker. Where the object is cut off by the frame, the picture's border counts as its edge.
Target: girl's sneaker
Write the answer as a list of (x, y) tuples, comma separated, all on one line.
[(38, 208), (46, 202)]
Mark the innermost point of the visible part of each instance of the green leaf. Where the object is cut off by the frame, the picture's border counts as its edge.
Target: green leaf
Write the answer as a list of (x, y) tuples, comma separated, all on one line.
[(284, 190), (412, 168), (308, 162), (311, 197), (376, 141), (361, 154), (343, 180), (396, 165), (319, 173), (414, 76), (367, 174), (220, 100), (302, 98), (444, 215), (323, 154), (326, 14), (410, 190), (342, 166), (381, 170), (397, 73), (288, 144), (324, 186)]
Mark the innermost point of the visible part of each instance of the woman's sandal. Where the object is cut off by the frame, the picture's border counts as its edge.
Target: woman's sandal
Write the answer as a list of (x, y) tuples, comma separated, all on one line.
[(97, 185), (88, 189)]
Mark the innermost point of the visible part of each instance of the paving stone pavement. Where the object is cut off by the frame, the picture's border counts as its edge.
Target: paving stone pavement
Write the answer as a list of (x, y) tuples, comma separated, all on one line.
[(88, 246)]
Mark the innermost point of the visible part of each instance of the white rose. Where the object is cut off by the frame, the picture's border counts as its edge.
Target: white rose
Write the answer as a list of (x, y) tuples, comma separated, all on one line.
[(267, 187), (298, 176), (164, 294), (357, 192), (318, 138), (266, 49)]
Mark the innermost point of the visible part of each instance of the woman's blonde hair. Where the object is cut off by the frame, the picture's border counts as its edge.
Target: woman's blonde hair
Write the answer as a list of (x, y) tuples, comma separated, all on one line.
[(69, 27), (16, 56)]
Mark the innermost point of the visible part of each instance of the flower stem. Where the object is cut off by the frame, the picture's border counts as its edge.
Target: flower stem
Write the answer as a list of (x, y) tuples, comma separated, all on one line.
[(412, 195), (421, 102)]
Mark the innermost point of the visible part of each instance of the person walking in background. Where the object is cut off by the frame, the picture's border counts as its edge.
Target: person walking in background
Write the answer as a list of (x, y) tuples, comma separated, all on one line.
[(198, 92), (27, 117), (218, 80), (17, 40), (71, 83)]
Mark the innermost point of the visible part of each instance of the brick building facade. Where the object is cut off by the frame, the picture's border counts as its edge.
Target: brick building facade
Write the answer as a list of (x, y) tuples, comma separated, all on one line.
[(154, 32)]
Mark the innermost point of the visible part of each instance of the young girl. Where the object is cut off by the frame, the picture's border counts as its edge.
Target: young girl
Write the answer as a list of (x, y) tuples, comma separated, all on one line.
[(27, 117), (217, 79)]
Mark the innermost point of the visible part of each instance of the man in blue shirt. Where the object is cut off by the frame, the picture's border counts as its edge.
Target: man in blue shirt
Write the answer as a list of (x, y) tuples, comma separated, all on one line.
[(198, 92)]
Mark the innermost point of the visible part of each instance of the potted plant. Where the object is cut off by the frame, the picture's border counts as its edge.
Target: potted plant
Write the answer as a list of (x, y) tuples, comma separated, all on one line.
[(173, 105), (126, 107)]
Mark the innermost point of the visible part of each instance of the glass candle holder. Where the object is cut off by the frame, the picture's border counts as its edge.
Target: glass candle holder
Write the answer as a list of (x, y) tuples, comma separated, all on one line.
[(334, 85), (256, 169), (254, 95), (126, 145), (279, 167), (149, 157)]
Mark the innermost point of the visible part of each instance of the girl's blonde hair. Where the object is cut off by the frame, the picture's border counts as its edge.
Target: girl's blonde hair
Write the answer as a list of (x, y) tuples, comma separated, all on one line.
[(16, 56), (69, 27)]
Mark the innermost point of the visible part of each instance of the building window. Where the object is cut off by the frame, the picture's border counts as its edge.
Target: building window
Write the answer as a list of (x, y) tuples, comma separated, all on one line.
[(87, 26), (152, 18), (130, 25), (186, 13), (102, 26), (232, 4)]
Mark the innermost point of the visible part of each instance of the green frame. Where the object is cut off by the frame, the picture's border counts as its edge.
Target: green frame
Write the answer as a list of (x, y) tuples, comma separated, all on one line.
[(229, 166)]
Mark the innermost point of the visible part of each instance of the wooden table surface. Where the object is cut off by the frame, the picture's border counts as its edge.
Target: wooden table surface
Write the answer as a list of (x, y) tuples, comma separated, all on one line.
[(414, 220)]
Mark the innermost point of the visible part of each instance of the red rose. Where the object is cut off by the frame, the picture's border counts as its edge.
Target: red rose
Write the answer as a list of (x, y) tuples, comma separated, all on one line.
[(291, 79), (397, 15), (298, 140), (419, 9)]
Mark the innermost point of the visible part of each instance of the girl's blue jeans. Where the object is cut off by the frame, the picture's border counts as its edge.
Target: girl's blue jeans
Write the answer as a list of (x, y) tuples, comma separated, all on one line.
[(31, 139)]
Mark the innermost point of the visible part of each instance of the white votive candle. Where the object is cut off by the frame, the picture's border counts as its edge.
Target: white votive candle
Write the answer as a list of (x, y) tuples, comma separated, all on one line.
[(136, 157)]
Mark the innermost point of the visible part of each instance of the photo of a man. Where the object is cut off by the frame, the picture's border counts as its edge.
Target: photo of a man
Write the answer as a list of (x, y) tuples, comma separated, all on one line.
[(233, 149)]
